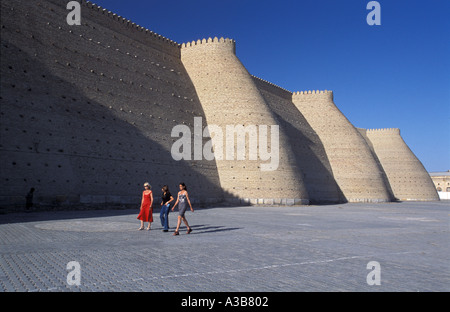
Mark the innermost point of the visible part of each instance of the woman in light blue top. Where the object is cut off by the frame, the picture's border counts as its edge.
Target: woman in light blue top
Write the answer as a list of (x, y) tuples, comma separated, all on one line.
[(182, 202)]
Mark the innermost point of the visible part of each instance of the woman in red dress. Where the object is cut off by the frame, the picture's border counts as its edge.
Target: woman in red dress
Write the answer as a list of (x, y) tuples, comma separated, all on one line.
[(146, 214)]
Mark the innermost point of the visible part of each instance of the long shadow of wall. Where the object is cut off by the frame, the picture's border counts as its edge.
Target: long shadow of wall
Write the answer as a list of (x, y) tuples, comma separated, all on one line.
[(310, 155), (87, 111), (310, 158)]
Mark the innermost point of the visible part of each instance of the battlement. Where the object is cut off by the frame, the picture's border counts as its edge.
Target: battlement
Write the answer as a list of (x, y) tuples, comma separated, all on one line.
[(127, 22), (383, 131), (312, 94), (226, 43), (271, 84), (95, 79)]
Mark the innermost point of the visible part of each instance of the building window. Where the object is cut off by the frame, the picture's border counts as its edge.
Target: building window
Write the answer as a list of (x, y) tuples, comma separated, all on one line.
[(439, 189), (448, 189)]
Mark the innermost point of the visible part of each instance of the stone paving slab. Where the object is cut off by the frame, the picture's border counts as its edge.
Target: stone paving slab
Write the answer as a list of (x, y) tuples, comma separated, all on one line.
[(303, 248)]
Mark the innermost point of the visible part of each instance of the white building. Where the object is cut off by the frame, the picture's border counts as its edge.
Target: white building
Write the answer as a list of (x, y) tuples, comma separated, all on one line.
[(441, 181)]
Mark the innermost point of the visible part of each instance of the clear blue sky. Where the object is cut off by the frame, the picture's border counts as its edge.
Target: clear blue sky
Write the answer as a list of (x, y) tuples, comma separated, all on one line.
[(396, 75)]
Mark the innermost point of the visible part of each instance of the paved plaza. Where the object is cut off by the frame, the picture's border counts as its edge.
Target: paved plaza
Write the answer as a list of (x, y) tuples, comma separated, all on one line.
[(304, 248)]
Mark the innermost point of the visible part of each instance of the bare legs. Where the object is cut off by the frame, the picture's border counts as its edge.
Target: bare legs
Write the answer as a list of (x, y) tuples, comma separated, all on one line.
[(142, 226), (182, 218)]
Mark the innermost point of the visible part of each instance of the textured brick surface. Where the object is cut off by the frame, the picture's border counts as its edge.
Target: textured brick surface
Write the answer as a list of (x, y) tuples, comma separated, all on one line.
[(230, 97), (308, 149), (313, 248), (87, 111), (358, 175), (407, 176), (87, 114)]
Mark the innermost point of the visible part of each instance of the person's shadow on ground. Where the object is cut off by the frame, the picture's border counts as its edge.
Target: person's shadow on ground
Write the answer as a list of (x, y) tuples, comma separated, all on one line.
[(206, 228)]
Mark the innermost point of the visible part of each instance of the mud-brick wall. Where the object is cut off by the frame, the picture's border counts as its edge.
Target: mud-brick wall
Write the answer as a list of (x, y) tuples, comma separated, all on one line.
[(357, 173), (230, 97), (308, 149), (87, 111), (407, 176)]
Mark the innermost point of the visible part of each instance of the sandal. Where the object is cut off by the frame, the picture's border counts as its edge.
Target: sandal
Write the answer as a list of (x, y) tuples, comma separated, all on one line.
[(141, 228), (176, 233), (189, 231)]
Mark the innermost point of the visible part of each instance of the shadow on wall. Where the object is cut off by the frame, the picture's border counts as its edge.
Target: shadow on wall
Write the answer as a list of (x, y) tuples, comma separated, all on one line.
[(74, 150), (362, 132), (318, 179)]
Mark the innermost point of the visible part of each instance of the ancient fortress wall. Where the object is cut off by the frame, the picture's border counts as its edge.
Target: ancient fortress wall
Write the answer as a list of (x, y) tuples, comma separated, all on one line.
[(230, 97), (407, 177), (87, 111), (308, 149), (355, 170)]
